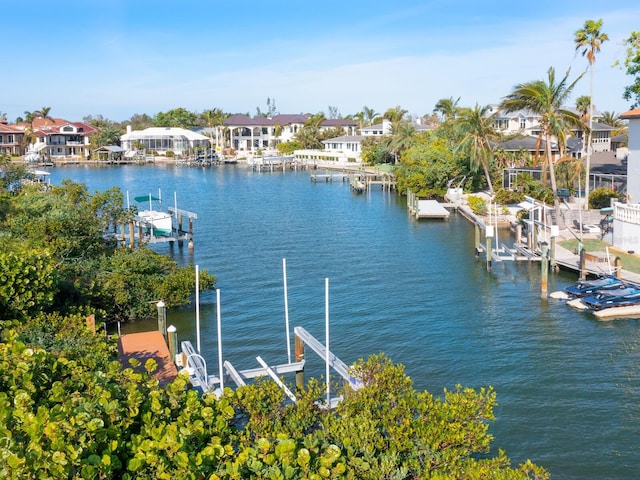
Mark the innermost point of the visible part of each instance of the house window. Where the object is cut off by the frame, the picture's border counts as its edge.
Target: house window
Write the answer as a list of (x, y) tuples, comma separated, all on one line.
[(265, 130), (523, 123), (67, 129), (1, 139), (502, 123), (9, 138)]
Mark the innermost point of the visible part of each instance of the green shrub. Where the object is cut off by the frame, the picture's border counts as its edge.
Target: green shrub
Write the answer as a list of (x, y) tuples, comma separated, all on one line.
[(601, 197), (477, 204), (508, 197), (170, 153)]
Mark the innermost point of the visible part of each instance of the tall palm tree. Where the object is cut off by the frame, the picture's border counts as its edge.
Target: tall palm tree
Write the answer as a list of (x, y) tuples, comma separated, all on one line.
[(478, 138), (214, 119), (546, 98), (447, 107), (589, 39)]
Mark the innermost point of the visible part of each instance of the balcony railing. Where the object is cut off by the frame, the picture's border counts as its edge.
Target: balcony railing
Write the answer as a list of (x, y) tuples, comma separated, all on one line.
[(627, 213)]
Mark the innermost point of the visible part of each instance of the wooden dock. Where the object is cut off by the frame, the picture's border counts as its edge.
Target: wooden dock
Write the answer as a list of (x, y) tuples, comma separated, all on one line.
[(425, 208), (144, 346)]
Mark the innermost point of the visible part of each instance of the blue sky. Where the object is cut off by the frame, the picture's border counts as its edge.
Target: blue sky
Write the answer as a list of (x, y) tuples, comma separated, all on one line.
[(117, 58)]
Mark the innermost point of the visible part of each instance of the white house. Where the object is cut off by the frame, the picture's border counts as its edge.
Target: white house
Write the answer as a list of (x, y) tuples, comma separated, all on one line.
[(626, 217), (163, 140)]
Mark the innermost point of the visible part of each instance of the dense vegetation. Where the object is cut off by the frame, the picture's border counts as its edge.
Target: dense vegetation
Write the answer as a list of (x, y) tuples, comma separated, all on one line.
[(55, 257)]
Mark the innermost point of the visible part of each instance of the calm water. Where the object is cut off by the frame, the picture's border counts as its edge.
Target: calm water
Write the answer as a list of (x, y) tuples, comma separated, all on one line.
[(568, 385)]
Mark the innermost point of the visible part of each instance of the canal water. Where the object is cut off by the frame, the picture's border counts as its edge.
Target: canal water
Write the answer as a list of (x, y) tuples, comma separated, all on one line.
[(568, 385)]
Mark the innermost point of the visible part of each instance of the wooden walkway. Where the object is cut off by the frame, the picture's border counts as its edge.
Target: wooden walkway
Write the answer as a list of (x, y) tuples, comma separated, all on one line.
[(143, 346)]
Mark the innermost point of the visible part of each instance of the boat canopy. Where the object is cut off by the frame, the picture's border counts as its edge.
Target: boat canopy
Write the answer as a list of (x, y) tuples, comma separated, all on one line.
[(146, 198)]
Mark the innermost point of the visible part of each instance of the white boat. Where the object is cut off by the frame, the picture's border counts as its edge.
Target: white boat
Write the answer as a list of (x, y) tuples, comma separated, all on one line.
[(155, 223)]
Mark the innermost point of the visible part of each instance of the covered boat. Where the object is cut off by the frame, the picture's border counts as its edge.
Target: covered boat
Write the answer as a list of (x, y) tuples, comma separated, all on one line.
[(155, 223), (590, 287), (618, 297)]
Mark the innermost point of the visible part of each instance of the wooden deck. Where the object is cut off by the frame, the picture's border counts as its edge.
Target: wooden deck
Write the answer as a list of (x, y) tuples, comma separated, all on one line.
[(143, 346)]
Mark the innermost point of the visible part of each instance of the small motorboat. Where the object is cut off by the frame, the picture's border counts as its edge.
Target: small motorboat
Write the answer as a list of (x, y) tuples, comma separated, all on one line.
[(618, 297), (590, 287)]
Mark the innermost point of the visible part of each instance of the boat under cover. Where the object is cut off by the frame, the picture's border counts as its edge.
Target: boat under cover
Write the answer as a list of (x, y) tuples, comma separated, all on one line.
[(619, 297), (590, 287)]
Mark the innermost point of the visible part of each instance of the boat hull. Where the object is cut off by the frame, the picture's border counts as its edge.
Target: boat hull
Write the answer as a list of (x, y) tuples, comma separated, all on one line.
[(156, 223)]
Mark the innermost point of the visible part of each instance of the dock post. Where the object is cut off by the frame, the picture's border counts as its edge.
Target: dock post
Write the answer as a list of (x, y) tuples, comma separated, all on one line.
[(190, 233), (162, 318), (132, 235), (555, 233), (544, 288), (179, 230), (172, 338), (489, 236), (477, 240), (519, 233), (617, 265), (299, 354), (583, 263)]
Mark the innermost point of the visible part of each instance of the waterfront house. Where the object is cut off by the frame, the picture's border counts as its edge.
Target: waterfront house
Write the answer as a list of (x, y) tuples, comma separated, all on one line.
[(57, 138), (162, 140), (11, 139), (626, 216), (250, 134)]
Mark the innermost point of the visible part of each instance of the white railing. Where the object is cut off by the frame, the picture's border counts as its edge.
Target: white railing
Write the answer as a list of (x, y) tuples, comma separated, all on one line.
[(627, 213)]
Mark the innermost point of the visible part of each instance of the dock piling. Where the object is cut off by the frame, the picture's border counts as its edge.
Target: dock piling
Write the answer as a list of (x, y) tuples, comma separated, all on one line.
[(544, 287)]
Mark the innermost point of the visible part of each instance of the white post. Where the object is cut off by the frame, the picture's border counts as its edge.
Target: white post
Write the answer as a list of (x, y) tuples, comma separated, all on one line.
[(327, 361), (286, 308), (175, 203), (219, 341), (198, 308)]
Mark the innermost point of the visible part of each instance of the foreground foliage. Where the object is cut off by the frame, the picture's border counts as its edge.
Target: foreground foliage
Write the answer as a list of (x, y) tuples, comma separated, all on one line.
[(68, 409)]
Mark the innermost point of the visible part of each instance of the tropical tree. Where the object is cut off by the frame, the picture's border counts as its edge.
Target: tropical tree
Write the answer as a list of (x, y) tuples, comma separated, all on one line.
[(369, 114), (478, 138), (214, 119), (613, 120), (309, 135), (583, 106), (395, 114), (632, 64), (43, 113), (447, 107), (178, 117), (589, 39), (546, 98), (402, 138)]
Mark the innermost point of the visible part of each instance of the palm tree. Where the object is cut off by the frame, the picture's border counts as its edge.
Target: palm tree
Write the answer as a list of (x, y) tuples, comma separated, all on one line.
[(613, 120), (402, 138), (583, 106), (589, 39), (546, 98), (395, 114), (214, 119), (368, 115), (44, 114), (478, 138), (447, 107)]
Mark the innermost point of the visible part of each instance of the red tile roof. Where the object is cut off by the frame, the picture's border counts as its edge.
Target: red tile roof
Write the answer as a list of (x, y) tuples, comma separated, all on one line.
[(635, 113)]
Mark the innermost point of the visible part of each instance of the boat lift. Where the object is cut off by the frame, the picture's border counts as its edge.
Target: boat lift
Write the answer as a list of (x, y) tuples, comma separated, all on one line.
[(193, 362)]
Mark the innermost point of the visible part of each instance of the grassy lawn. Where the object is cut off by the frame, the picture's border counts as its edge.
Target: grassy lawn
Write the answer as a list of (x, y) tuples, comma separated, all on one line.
[(629, 262)]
